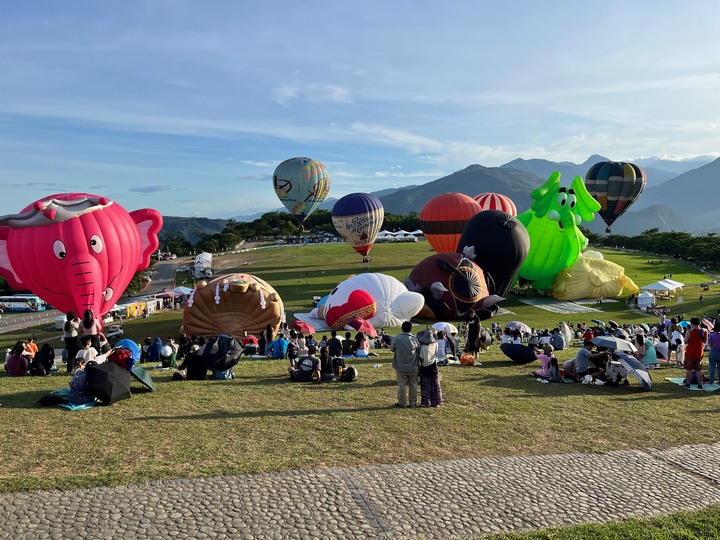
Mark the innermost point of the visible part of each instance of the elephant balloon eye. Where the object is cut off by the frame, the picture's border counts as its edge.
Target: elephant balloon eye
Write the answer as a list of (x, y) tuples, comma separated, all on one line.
[(96, 243), (59, 249), (562, 199), (571, 201)]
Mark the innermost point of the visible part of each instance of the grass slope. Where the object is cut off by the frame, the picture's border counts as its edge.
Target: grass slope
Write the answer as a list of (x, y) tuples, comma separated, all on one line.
[(261, 422)]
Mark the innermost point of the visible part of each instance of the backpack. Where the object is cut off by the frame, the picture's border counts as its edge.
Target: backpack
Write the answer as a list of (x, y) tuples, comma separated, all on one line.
[(292, 351), (122, 357), (349, 375)]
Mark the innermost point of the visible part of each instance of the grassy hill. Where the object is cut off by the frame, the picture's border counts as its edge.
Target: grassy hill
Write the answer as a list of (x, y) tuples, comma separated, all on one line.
[(261, 422)]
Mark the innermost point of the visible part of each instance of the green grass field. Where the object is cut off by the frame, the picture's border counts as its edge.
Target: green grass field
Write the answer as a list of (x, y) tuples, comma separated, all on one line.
[(261, 422)]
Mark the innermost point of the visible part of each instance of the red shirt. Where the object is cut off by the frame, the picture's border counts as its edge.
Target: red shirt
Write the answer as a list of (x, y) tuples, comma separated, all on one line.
[(695, 345)]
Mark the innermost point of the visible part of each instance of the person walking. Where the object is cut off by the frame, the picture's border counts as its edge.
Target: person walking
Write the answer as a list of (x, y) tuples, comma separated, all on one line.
[(714, 354), (405, 347)]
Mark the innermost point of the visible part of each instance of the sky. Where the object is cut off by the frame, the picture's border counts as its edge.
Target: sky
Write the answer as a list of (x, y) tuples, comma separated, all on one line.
[(187, 107)]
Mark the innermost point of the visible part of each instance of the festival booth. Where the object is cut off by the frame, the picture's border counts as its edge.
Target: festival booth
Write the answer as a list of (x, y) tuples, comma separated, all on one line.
[(203, 263), (645, 300)]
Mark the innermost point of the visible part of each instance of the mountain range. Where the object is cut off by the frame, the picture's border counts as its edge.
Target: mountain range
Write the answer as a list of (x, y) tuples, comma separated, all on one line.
[(677, 195)]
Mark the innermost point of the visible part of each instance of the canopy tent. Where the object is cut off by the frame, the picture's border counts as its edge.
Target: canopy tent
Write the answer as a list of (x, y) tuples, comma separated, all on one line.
[(661, 285), (645, 299), (417, 232), (385, 234), (672, 282)]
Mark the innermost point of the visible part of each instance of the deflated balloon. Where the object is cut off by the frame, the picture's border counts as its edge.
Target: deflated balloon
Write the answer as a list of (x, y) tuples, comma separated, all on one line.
[(232, 304), (592, 277), (301, 184), (615, 185), (443, 219), (77, 251), (498, 243), (358, 217)]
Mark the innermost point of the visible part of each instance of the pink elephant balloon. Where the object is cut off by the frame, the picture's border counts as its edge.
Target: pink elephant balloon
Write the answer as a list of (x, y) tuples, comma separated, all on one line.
[(77, 251)]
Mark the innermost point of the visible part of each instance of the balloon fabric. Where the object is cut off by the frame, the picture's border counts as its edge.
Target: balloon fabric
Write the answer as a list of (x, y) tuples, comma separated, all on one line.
[(496, 201), (552, 222), (358, 217), (443, 219), (77, 251), (301, 184), (616, 185), (499, 244)]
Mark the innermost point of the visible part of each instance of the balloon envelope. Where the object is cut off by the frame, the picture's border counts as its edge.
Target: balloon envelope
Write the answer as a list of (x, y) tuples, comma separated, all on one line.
[(615, 185), (443, 219), (498, 244), (496, 201), (358, 218), (301, 184)]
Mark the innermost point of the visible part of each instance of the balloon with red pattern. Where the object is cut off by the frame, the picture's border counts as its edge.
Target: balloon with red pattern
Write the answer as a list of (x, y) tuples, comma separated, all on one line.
[(496, 201), (443, 219)]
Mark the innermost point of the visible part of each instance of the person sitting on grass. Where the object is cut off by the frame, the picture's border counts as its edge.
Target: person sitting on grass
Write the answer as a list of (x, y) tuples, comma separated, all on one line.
[(362, 345), (584, 361), (17, 364), (327, 370), (168, 354), (88, 352), (307, 368), (79, 393), (348, 345), (544, 357)]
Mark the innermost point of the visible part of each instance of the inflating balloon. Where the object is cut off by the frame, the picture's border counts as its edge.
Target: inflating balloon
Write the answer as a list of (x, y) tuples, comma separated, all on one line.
[(498, 243), (301, 184), (358, 218), (496, 201), (452, 285), (615, 185), (553, 225), (592, 277), (343, 305), (232, 305), (77, 251), (393, 303), (443, 219)]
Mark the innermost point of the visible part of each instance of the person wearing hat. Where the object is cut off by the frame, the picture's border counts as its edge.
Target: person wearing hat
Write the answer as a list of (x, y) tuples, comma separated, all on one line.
[(193, 365), (430, 390), (405, 363)]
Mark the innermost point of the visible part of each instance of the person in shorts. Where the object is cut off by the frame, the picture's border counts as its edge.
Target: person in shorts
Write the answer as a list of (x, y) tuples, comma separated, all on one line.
[(695, 340)]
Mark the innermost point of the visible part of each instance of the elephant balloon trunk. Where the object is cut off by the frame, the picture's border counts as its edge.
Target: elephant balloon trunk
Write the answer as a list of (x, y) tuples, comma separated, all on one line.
[(84, 279)]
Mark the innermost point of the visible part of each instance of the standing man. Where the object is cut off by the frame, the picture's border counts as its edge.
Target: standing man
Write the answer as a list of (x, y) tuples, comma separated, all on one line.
[(695, 340), (405, 347)]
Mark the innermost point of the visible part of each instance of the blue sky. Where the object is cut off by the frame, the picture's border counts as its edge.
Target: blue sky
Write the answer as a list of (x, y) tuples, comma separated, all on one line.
[(188, 106)]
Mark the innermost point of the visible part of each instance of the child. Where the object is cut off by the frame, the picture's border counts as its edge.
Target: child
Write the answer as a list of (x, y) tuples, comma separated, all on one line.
[(679, 353), (554, 370), (544, 371)]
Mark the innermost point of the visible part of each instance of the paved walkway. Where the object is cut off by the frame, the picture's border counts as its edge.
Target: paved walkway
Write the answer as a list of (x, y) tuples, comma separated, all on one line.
[(449, 499)]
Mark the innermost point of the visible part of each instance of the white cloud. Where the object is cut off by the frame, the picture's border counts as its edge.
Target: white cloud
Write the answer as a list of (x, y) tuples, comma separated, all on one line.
[(398, 138)]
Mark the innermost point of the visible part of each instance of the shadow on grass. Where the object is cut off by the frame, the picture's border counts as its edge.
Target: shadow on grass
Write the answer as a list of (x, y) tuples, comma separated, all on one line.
[(534, 389), (224, 415)]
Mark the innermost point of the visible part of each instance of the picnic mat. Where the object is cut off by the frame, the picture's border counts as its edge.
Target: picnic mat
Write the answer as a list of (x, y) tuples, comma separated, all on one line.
[(558, 306), (706, 387)]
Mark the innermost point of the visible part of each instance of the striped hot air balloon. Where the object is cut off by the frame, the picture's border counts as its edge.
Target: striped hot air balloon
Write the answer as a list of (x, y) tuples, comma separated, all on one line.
[(358, 218), (496, 201), (443, 219), (615, 185)]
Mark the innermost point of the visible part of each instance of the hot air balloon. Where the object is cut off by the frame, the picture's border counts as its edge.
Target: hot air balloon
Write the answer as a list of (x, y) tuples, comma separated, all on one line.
[(443, 219), (301, 184), (358, 218), (496, 201), (615, 185)]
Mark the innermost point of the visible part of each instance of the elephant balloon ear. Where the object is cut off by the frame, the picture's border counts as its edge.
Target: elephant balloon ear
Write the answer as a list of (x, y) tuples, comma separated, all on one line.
[(149, 222), (585, 205), (6, 268), (545, 194)]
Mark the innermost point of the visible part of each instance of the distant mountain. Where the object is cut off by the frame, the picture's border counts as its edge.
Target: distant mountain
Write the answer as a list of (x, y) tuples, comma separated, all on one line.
[(691, 195), (190, 226), (543, 168), (471, 181), (677, 166), (633, 223)]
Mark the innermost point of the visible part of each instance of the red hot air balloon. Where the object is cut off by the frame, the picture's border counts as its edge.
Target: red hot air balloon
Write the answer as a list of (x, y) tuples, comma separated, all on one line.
[(496, 201), (615, 185), (443, 219)]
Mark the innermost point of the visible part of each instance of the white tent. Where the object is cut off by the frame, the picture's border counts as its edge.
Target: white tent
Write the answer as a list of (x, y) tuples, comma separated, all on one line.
[(385, 234), (401, 233), (675, 284), (417, 232), (645, 299), (659, 286)]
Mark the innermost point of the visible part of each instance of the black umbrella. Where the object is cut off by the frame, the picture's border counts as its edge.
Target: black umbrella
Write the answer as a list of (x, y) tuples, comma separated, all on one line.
[(108, 382), (143, 377), (636, 368), (520, 354), (222, 353)]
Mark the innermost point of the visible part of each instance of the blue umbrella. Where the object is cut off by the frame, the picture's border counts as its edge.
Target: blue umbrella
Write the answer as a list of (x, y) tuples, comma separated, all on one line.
[(131, 346), (598, 322), (684, 324), (636, 368), (645, 327)]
